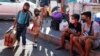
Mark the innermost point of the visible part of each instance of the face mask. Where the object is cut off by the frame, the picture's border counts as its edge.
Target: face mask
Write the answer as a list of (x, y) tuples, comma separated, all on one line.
[(37, 13), (83, 20), (25, 10), (72, 21)]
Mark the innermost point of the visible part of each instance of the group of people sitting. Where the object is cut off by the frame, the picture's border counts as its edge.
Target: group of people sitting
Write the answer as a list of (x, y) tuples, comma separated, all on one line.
[(84, 35)]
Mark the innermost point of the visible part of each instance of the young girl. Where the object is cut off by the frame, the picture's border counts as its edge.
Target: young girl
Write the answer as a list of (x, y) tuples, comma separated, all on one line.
[(37, 26)]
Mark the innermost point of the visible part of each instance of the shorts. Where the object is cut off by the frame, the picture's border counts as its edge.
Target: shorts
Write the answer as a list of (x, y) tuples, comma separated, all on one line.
[(67, 36), (96, 43)]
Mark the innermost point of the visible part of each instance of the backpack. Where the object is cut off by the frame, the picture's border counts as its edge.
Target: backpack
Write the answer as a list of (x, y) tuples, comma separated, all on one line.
[(57, 16), (27, 16)]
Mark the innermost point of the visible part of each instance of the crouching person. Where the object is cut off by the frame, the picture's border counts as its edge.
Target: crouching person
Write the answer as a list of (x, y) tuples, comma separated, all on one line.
[(74, 28), (90, 37)]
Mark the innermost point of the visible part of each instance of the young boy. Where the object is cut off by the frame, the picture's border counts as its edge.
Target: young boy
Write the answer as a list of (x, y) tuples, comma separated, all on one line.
[(74, 29), (22, 22)]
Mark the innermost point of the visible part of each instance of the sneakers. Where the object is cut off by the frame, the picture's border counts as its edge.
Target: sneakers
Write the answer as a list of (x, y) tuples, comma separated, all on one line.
[(35, 45), (23, 46)]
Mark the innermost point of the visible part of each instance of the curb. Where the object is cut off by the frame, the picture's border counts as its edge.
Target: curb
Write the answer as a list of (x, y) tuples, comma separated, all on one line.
[(51, 39), (56, 41)]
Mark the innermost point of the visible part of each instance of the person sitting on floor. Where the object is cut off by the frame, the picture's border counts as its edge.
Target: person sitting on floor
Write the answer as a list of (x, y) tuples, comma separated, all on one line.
[(74, 28), (90, 37)]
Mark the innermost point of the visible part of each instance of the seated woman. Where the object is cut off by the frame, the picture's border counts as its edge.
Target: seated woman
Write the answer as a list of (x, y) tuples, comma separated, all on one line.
[(74, 29), (90, 37)]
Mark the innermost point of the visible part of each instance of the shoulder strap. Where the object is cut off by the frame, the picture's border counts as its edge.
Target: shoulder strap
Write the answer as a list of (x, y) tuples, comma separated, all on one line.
[(18, 14), (27, 16), (90, 31)]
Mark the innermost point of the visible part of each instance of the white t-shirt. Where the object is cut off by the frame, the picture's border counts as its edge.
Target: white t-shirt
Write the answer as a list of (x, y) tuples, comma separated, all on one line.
[(95, 29)]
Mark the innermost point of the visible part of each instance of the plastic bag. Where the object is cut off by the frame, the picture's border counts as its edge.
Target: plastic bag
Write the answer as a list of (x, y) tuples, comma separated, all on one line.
[(63, 25)]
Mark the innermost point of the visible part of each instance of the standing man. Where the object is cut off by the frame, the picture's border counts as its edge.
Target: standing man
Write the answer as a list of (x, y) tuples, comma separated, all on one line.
[(22, 22)]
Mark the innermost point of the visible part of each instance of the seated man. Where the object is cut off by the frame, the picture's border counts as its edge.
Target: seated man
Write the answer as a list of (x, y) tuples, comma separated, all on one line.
[(74, 29), (90, 37)]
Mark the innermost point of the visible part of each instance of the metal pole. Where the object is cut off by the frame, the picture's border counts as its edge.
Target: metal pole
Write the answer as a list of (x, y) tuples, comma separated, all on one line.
[(62, 6)]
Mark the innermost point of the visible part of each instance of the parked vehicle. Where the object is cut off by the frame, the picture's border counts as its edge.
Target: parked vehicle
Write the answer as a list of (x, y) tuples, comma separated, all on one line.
[(9, 8), (97, 17)]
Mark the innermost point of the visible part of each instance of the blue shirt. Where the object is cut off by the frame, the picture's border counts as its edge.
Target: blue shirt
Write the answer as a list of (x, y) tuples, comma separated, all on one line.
[(23, 17), (45, 1)]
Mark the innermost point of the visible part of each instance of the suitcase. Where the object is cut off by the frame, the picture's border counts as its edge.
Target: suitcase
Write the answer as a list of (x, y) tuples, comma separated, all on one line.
[(9, 38)]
